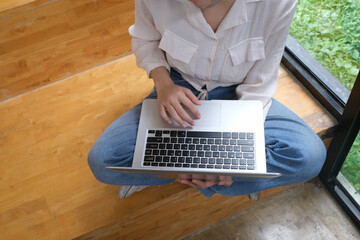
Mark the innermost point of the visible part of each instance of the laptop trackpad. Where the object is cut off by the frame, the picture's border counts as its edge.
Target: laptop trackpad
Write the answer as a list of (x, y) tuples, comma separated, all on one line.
[(210, 115)]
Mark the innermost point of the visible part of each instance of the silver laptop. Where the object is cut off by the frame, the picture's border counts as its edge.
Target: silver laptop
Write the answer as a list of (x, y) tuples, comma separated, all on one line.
[(227, 140)]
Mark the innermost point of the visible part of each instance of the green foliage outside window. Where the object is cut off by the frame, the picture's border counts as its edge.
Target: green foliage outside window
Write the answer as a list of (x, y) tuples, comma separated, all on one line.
[(330, 31)]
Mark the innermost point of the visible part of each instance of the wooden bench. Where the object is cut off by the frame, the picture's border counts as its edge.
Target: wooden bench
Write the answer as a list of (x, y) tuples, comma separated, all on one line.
[(66, 73)]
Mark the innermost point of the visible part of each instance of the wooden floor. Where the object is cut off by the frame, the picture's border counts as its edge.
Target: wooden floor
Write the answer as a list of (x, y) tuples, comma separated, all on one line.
[(63, 80)]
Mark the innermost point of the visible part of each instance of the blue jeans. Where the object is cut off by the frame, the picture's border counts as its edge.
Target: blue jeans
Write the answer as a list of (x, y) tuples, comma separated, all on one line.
[(292, 149)]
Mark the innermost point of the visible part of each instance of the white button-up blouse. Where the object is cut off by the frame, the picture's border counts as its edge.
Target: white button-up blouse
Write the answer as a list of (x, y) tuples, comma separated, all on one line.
[(246, 49)]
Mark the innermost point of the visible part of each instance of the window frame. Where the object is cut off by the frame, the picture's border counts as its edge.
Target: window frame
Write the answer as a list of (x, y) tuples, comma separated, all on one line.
[(342, 104)]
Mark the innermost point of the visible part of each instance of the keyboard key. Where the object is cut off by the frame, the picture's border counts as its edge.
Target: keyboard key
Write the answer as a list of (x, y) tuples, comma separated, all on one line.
[(250, 167), (181, 133), (149, 158), (188, 160), (199, 147), (234, 167), (211, 160), (196, 160), (223, 154), (178, 165), (181, 140), (242, 162), (229, 148), (173, 140), (158, 133), (245, 142), (156, 152), (225, 142), (196, 141), (247, 149), (151, 131), (194, 165), (235, 162), (206, 147), (154, 139), (204, 160), (231, 155), (147, 152), (234, 135), (186, 165), (162, 164), (155, 164), (242, 167), (201, 154), (250, 162), (191, 147), (216, 154), (185, 153), (181, 159), (227, 161), (184, 146), (173, 134), (169, 146), (214, 147), (242, 135), (188, 140), (248, 155), (232, 142), (177, 146), (193, 153), (203, 141), (166, 140), (218, 166), (152, 145), (219, 161), (209, 166), (171, 153), (147, 164), (202, 166), (226, 135), (211, 141), (162, 146), (226, 167), (218, 141), (250, 136), (158, 159), (204, 134), (166, 159), (173, 159), (208, 154), (170, 165)]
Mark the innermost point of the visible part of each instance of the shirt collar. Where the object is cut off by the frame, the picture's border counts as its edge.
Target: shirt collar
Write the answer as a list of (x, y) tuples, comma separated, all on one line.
[(237, 15)]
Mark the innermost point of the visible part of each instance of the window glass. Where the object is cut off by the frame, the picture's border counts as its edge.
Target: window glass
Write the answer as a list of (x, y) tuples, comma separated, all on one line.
[(329, 30), (350, 172)]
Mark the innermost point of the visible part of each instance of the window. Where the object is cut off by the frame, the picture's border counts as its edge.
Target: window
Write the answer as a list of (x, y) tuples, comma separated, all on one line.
[(323, 52)]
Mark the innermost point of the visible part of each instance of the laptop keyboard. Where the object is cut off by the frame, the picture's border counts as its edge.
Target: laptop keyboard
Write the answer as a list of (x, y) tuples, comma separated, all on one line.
[(198, 149)]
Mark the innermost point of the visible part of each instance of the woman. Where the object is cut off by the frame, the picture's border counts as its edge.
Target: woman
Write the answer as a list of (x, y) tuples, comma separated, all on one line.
[(212, 49)]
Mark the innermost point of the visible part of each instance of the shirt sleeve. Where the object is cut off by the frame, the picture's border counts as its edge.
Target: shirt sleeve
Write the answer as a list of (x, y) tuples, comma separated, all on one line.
[(261, 81), (145, 39)]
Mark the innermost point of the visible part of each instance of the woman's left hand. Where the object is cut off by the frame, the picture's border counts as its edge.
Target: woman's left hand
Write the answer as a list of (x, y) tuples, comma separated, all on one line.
[(204, 181)]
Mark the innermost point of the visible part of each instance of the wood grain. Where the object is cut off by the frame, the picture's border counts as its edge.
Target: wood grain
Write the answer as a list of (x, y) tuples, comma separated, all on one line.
[(60, 39), (47, 188)]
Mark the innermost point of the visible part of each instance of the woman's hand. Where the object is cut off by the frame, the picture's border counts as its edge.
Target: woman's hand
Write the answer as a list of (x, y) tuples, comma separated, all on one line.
[(172, 99), (204, 181)]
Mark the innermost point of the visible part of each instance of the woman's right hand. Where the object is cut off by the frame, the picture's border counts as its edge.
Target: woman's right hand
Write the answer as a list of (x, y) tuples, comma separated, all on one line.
[(173, 98)]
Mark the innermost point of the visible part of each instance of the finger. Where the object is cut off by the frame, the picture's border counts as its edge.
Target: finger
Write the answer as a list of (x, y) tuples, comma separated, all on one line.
[(192, 97), (225, 181), (183, 114), (204, 184), (187, 182), (164, 115), (191, 107), (173, 113)]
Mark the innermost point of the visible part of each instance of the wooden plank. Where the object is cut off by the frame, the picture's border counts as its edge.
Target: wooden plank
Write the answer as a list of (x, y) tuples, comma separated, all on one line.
[(60, 39), (47, 189)]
